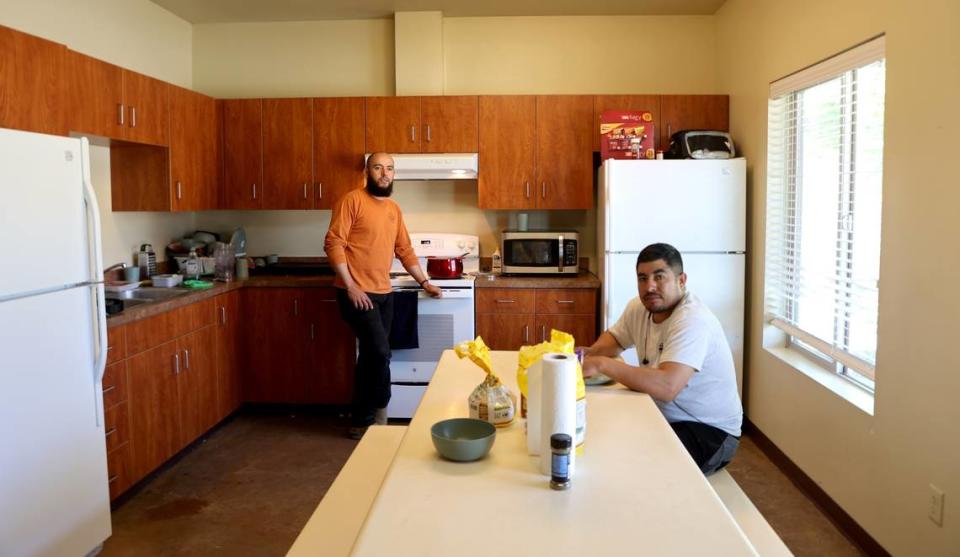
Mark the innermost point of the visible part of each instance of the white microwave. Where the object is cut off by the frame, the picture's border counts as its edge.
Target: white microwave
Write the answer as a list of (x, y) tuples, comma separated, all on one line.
[(540, 253)]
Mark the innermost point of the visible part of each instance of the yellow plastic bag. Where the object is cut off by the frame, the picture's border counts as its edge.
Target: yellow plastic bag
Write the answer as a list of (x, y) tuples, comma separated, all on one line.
[(491, 400), (529, 355)]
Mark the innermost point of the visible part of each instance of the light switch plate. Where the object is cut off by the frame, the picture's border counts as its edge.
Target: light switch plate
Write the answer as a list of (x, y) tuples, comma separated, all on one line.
[(935, 512)]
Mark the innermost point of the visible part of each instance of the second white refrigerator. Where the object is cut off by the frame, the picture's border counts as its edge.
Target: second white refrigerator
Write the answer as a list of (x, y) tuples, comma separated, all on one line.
[(697, 206)]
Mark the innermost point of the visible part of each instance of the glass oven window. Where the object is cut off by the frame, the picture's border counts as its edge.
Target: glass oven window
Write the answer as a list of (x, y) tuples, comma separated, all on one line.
[(435, 332)]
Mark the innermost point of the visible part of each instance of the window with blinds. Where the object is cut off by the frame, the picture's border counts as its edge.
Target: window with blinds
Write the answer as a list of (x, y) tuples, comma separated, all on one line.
[(824, 186)]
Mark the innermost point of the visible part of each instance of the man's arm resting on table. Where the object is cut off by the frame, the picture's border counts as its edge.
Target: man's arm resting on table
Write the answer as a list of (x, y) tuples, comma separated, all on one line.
[(663, 383), (606, 345), (357, 296)]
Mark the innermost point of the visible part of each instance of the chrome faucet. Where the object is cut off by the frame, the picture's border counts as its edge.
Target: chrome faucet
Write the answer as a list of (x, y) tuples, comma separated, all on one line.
[(116, 266)]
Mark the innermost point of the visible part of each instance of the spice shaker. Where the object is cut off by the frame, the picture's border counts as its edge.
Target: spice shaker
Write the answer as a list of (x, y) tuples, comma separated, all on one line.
[(560, 445)]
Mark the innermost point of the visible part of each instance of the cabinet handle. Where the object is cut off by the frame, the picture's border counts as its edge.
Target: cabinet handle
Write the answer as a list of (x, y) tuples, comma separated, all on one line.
[(333, 301), (108, 389), (564, 301), (526, 334), (122, 109), (179, 193), (528, 189), (223, 315), (669, 133), (112, 479), (111, 432), (296, 307), (311, 332), (543, 190), (133, 116), (543, 333), (304, 190), (506, 301), (176, 364), (254, 191), (428, 133), (320, 190), (413, 134), (186, 359)]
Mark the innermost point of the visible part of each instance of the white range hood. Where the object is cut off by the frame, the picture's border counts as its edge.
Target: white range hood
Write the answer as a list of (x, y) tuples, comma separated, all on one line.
[(435, 166)]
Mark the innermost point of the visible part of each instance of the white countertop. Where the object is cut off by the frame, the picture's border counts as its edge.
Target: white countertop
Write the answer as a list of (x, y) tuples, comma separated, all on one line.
[(635, 491)]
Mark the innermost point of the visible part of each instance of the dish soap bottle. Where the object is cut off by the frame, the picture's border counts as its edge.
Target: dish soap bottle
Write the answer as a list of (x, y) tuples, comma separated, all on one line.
[(192, 266), (496, 262)]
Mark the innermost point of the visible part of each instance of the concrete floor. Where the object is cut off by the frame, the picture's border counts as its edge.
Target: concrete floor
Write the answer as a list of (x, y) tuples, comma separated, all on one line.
[(250, 486)]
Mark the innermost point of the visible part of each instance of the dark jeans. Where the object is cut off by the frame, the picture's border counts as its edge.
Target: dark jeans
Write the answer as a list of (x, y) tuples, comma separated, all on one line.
[(710, 447), (371, 387)]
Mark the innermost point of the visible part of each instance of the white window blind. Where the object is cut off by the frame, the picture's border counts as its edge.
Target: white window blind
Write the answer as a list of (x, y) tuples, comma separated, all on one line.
[(824, 185)]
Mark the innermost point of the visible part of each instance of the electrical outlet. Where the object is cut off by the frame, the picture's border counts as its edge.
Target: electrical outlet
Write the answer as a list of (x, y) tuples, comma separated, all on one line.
[(935, 513)]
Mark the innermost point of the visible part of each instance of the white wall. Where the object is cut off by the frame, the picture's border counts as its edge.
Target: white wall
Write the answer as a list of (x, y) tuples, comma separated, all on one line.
[(876, 467), (135, 34)]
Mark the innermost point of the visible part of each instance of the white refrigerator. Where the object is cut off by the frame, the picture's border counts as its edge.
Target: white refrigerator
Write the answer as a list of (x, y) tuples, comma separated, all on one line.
[(54, 498), (697, 206)]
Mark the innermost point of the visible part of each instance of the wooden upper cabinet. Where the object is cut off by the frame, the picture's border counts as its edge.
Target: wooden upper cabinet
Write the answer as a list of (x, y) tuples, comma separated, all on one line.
[(242, 154), (564, 152), (287, 153), (692, 112), (145, 105), (95, 91), (32, 91), (625, 103), (393, 124), (507, 147), (449, 124), (193, 150), (338, 140)]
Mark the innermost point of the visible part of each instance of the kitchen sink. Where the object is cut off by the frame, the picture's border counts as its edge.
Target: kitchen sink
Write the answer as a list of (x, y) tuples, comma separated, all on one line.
[(147, 294)]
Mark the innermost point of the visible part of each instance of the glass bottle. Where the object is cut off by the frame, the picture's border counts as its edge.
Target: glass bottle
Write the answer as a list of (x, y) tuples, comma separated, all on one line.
[(560, 445)]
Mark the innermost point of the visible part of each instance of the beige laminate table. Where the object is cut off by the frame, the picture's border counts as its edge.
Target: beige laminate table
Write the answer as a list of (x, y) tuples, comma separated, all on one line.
[(635, 491)]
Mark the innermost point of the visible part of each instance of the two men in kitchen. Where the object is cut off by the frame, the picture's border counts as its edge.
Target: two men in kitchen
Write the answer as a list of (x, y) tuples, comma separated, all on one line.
[(366, 232), (685, 360)]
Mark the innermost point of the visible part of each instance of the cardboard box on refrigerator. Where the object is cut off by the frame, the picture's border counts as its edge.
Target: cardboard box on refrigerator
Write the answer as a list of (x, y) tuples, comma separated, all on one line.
[(626, 135)]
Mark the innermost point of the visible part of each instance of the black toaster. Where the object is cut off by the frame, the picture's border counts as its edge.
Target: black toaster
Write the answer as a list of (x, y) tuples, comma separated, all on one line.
[(700, 144)]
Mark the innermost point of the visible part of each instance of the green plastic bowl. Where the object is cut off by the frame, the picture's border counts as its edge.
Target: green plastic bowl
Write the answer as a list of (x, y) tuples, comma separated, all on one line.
[(463, 439)]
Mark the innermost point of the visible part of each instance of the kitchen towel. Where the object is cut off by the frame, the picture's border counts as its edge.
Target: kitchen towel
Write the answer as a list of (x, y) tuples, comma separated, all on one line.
[(558, 404), (403, 329)]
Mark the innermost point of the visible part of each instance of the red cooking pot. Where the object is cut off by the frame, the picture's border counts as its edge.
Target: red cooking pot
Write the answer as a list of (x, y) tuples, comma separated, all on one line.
[(445, 267)]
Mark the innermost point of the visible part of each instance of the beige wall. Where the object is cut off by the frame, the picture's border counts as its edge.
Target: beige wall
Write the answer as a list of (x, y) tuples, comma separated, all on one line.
[(290, 59), (876, 467), (135, 34)]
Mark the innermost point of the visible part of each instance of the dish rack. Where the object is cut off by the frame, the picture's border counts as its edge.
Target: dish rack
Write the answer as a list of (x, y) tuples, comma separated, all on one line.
[(208, 264)]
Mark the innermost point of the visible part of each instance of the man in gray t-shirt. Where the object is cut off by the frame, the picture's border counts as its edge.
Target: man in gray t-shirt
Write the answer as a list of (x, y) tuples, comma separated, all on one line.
[(685, 361)]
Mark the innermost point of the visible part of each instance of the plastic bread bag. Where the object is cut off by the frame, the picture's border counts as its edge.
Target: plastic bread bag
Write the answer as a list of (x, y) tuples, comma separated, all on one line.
[(491, 401), (529, 355)]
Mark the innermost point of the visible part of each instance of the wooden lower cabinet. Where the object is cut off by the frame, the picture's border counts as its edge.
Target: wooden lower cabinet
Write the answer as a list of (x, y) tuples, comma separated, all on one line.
[(197, 384), (154, 407), (228, 341), (274, 341), (331, 352), (508, 318), (120, 474)]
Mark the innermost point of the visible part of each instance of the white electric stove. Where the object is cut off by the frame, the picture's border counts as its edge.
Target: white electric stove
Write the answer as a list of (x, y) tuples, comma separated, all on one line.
[(441, 322)]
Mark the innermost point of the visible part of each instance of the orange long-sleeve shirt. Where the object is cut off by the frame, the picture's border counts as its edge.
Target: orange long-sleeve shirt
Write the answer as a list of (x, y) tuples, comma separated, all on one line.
[(366, 233)]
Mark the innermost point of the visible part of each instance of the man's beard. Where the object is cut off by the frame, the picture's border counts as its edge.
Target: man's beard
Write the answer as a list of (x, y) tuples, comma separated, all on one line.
[(374, 189)]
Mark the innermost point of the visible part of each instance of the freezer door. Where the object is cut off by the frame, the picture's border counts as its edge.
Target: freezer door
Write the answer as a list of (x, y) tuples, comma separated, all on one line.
[(694, 205), (42, 219), (717, 279), (53, 489)]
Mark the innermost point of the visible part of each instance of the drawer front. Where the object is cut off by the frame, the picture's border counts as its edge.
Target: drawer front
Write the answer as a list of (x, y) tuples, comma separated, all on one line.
[(153, 331), (116, 344), (506, 300), (119, 473), (114, 384), (566, 301), (116, 423)]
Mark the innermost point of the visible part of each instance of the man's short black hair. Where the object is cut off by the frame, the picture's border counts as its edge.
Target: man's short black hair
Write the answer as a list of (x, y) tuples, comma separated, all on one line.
[(668, 253)]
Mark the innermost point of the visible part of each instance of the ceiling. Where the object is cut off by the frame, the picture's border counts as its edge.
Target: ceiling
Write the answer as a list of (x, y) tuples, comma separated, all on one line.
[(232, 11)]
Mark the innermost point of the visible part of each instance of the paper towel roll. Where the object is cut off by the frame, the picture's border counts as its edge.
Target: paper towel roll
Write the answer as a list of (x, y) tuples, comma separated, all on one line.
[(558, 403), (534, 394)]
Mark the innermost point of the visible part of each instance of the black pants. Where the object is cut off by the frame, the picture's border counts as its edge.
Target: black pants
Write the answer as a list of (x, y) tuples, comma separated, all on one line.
[(710, 447), (371, 386)]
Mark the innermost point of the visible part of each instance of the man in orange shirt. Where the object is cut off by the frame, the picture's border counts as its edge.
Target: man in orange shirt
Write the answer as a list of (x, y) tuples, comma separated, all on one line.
[(366, 232)]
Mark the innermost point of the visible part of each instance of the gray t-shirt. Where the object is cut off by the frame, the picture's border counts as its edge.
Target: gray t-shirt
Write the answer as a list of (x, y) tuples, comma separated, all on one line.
[(691, 336)]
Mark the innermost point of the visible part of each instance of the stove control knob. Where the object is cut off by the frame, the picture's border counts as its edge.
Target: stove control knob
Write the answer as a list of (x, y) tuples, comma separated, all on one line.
[(470, 246), (460, 244)]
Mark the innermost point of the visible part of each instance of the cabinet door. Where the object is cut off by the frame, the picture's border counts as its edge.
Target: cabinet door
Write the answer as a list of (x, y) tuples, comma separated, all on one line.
[(145, 100), (507, 143), (564, 152), (242, 154), (31, 83), (275, 344), (393, 124), (186, 149), (332, 350), (197, 384), (338, 138), (625, 103), (229, 385), (692, 112), (582, 327), (502, 331), (287, 154), (449, 124), (94, 102), (154, 407)]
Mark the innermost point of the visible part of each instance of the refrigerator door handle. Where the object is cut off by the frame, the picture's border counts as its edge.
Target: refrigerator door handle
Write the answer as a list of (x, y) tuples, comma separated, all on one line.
[(96, 277)]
